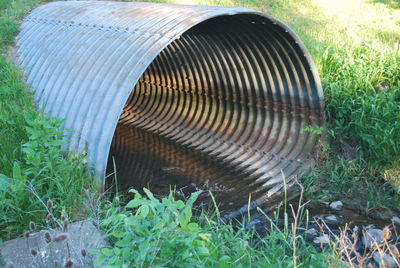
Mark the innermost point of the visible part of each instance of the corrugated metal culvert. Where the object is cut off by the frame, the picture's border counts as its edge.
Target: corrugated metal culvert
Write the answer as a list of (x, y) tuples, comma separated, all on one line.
[(211, 97)]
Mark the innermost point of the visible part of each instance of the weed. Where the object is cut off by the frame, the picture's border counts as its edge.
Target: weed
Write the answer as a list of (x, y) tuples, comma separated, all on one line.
[(162, 232), (345, 245), (53, 246), (30, 145), (314, 129), (340, 178), (155, 232), (44, 167), (357, 109), (358, 62)]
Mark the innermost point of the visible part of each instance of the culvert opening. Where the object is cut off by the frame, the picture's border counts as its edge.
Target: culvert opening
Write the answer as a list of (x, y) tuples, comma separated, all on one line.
[(222, 108)]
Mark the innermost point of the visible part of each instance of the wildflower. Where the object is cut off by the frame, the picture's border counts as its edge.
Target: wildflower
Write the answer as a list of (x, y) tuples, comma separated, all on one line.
[(49, 204), (61, 237), (32, 226), (47, 237), (69, 264), (49, 217), (34, 252)]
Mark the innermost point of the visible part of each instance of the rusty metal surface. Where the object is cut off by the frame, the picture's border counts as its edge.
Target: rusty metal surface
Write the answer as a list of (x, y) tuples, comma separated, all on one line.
[(234, 86)]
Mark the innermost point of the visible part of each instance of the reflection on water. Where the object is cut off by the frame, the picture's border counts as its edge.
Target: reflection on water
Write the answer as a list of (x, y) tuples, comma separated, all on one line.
[(143, 159)]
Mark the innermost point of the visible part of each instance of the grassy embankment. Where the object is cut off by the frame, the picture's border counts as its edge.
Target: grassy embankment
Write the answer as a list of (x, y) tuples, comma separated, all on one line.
[(29, 145), (356, 48)]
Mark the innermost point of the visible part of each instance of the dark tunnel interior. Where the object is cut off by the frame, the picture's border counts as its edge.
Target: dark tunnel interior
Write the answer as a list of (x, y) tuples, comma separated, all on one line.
[(223, 109)]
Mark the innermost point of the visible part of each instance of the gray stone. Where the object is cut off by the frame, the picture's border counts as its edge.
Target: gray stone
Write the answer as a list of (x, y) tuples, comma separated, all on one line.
[(370, 226), (336, 205), (324, 204), (385, 260), (329, 219), (396, 220), (311, 233), (81, 235), (323, 239), (332, 219), (372, 238)]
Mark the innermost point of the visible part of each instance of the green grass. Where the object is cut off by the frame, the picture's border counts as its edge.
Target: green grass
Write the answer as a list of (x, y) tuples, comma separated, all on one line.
[(29, 145), (355, 45), (352, 181), (151, 232)]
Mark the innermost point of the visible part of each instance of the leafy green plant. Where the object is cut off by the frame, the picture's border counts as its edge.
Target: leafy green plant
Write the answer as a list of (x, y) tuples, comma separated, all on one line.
[(163, 233), (318, 130), (46, 169), (151, 231)]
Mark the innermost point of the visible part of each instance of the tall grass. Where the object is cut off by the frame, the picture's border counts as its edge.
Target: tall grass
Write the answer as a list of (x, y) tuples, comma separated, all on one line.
[(363, 98)]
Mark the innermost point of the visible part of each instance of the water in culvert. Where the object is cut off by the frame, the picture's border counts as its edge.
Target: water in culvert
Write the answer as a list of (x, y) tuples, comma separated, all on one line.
[(143, 159), (147, 160)]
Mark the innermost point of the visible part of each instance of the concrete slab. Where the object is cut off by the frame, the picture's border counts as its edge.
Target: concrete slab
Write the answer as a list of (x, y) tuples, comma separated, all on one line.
[(82, 235)]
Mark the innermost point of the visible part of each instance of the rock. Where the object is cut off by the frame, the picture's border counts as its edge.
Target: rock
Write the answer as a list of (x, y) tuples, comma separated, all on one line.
[(370, 226), (372, 237), (336, 205), (385, 260), (328, 219), (82, 235), (356, 229), (324, 204), (396, 220), (323, 239), (311, 233), (332, 219)]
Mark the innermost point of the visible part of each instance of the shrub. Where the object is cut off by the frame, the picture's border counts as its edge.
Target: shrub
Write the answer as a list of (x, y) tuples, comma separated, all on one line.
[(363, 97)]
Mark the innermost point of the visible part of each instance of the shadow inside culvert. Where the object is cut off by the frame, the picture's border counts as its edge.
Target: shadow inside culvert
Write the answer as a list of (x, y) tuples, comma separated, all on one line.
[(143, 159)]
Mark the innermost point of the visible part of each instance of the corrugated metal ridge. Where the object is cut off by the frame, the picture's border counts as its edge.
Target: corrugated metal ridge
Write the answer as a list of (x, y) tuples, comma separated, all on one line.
[(243, 98)]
